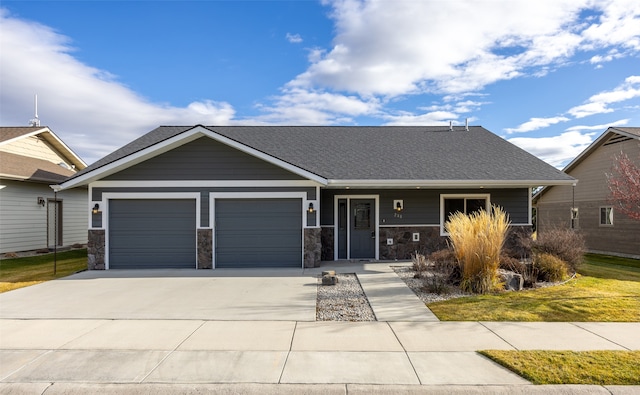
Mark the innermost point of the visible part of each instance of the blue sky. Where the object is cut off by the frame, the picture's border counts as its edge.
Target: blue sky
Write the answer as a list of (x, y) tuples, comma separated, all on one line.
[(549, 76)]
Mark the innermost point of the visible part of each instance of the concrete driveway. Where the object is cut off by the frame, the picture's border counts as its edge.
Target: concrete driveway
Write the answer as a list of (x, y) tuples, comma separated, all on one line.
[(221, 294)]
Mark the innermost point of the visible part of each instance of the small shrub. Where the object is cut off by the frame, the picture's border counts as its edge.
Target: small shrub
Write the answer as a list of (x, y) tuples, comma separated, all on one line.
[(551, 268), (477, 241), (445, 263), (566, 244), (420, 264)]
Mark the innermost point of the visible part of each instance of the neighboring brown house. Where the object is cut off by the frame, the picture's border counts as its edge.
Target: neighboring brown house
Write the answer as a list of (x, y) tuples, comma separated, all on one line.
[(288, 196), (32, 217), (585, 206)]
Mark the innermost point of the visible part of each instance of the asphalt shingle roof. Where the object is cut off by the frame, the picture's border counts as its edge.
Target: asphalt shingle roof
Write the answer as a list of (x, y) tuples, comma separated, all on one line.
[(32, 169), (376, 152)]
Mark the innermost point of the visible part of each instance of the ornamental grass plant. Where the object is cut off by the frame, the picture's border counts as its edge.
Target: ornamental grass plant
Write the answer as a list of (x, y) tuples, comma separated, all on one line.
[(477, 240)]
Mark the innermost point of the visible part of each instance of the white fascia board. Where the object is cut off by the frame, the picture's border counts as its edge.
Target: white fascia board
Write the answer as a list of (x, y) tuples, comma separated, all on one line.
[(34, 133), (205, 184), (445, 183), (56, 142), (176, 141)]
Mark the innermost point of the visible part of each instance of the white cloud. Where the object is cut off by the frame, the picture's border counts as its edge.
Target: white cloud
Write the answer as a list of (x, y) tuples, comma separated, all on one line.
[(429, 118), (98, 113), (537, 123), (598, 103), (295, 106), (405, 47), (602, 127), (294, 38), (555, 150)]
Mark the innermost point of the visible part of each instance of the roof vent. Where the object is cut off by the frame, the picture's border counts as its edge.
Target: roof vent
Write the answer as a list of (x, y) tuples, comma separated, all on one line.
[(451, 126), (35, 121), (466, 124)]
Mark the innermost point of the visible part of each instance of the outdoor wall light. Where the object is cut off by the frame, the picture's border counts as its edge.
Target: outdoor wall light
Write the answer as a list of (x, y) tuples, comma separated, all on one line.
[(398, 205), (41, 201), (96, 209), (311, 209)]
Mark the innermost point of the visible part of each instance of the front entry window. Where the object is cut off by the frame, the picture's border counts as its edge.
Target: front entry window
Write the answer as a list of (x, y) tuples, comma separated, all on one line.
[(362, 216)]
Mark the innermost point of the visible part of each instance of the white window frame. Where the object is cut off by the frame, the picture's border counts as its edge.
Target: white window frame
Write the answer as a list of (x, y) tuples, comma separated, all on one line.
[(610, 216), (465, 196)]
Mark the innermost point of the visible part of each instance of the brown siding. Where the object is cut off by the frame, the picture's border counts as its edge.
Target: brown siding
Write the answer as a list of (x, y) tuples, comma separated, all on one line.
[(591, 193)]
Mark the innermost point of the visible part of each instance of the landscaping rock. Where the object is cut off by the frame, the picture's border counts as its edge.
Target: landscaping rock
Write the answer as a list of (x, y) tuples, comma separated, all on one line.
[(329, 280), (512, 281)]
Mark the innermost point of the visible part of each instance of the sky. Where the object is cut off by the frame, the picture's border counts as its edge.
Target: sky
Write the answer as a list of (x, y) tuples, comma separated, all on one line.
[(547, 75)]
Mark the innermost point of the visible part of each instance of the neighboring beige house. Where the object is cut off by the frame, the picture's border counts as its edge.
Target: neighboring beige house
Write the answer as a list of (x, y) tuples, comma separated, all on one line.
[(585, 206), (32, 217)]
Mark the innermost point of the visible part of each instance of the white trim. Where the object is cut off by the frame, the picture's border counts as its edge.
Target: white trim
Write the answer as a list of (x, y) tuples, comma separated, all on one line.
[(145, 195), (600, 224), (56, 140), (206, 184), (257, 195), (333, 183), (376, 198), (443, 196), (530, 205), (176, 141), (410, 226)]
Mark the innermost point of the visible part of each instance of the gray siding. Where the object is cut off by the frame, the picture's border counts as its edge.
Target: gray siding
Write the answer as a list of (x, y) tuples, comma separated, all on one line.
[(204, 159), (258, 233), (152, 233), (422, 207)]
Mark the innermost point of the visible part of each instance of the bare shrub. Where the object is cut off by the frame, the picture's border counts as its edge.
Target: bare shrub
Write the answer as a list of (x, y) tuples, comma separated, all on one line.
[(477, 241), (420, 264), (446, 264), (566, 244), (551, 267)]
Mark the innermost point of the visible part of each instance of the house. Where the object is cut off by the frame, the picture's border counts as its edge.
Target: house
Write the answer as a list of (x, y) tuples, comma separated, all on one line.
[(273, 196), (32, 216), (585, 206)]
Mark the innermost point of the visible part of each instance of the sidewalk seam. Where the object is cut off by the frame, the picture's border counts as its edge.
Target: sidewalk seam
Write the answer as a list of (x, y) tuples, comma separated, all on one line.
[(500, 337), (171, 352), (405, 352), (284, 365), (599, 335)]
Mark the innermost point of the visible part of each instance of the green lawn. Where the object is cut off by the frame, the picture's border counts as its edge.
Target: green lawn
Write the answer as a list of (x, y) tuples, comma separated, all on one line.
[(604, 266), (572, 367), (608, 289), (22, 272)]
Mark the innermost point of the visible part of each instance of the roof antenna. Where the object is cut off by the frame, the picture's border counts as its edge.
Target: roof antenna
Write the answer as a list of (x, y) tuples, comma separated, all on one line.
[(466, 124), (35, 121), (451, 126)]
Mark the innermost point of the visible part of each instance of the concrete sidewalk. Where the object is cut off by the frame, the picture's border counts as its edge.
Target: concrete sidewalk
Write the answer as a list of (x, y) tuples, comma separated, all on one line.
[(412, 354), (407, 351)]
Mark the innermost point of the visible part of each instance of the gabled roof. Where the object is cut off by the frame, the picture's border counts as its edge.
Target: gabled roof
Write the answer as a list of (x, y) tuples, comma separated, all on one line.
[(363, 156), (24, 168), (610, 135), (11, 134)]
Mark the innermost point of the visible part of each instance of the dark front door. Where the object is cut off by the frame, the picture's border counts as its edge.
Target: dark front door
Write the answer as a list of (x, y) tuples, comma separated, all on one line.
[(362, 229)]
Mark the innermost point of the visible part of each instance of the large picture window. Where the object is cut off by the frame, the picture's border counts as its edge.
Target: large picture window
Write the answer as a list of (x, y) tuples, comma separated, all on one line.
[(467, 204)]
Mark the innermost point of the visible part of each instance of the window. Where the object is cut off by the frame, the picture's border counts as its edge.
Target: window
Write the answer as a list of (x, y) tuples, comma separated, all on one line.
[(574, 218), (451, 204), (606, 216)]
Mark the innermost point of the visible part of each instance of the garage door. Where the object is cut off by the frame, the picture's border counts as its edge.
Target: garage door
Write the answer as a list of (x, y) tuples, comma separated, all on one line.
[(258, 232), (156, 233)]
